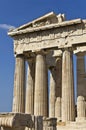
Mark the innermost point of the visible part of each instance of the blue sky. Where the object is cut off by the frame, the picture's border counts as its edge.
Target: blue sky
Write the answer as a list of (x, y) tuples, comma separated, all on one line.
[(16, 13)]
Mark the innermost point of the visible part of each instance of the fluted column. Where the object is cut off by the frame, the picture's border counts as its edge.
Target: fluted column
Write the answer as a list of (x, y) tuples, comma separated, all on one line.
[(59, 76), (41, 86), (81, 109), (58, 87), (81, 81), (29, 106), (52, 95), (68, 111), (19, 85), (58, 105)]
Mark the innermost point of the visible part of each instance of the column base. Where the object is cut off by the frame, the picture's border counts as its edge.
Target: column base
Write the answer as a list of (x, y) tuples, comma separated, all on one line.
[(81, 119)]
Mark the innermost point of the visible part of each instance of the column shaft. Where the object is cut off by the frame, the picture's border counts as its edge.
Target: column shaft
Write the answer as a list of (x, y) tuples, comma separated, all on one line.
[(19, 86), (81, 82), (52, 96), (58, 108), (59, 77), (41, 87), (29, 106), (68, 111)]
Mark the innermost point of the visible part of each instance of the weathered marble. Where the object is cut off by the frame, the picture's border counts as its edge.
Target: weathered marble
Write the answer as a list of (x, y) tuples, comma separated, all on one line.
[(81, 109), (43, 39), (49, 124), (58, 108), (19, 85), (16, 120), (81, 79), (59, 76), (52, 94), (29, 106), (68, 111), (41, 86)]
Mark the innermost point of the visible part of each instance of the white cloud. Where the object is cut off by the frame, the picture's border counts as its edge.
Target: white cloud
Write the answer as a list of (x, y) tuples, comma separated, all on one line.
[(6, 26)]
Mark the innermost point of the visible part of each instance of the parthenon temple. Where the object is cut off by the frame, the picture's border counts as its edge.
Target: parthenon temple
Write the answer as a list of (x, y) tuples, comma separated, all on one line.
[(44, 91)]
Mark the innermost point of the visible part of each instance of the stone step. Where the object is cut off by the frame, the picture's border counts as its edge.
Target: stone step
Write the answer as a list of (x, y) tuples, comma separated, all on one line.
[(72, 126)]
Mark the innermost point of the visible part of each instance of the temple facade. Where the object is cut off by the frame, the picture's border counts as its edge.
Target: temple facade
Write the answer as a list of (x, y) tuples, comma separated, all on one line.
[(45, 87)]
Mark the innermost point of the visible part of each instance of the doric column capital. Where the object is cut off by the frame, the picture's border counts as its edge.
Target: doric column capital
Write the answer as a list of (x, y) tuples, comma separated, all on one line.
[(42, 52), (57, 53), (19, 55), (70, 49)]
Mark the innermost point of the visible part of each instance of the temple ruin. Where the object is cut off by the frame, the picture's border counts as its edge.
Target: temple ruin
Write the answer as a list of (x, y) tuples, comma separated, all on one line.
[(44, 99)]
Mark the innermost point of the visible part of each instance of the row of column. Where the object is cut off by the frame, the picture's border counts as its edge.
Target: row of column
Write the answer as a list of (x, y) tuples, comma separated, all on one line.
[(62, 103), (61, 89), (36, 97)]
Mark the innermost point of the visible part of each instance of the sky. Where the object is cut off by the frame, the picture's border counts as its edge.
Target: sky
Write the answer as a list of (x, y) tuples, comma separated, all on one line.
[(18, 12)]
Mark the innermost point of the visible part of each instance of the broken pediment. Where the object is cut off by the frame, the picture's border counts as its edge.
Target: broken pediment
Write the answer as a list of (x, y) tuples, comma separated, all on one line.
[(47, 19)]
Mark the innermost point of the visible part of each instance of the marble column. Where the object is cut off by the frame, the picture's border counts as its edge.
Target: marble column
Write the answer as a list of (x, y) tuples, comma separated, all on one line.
[(29, 106), (59, 76), (81, 109), (68, 111), (41, 86), (58, 105), (58, 88), (19, 85), (52, 94), (81, 81)]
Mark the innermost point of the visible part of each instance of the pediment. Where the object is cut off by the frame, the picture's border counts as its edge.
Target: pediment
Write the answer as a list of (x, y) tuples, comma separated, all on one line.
[(47, 19)]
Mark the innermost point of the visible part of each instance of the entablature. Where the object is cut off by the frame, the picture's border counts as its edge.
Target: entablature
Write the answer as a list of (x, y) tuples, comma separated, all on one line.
[(64, 34)]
